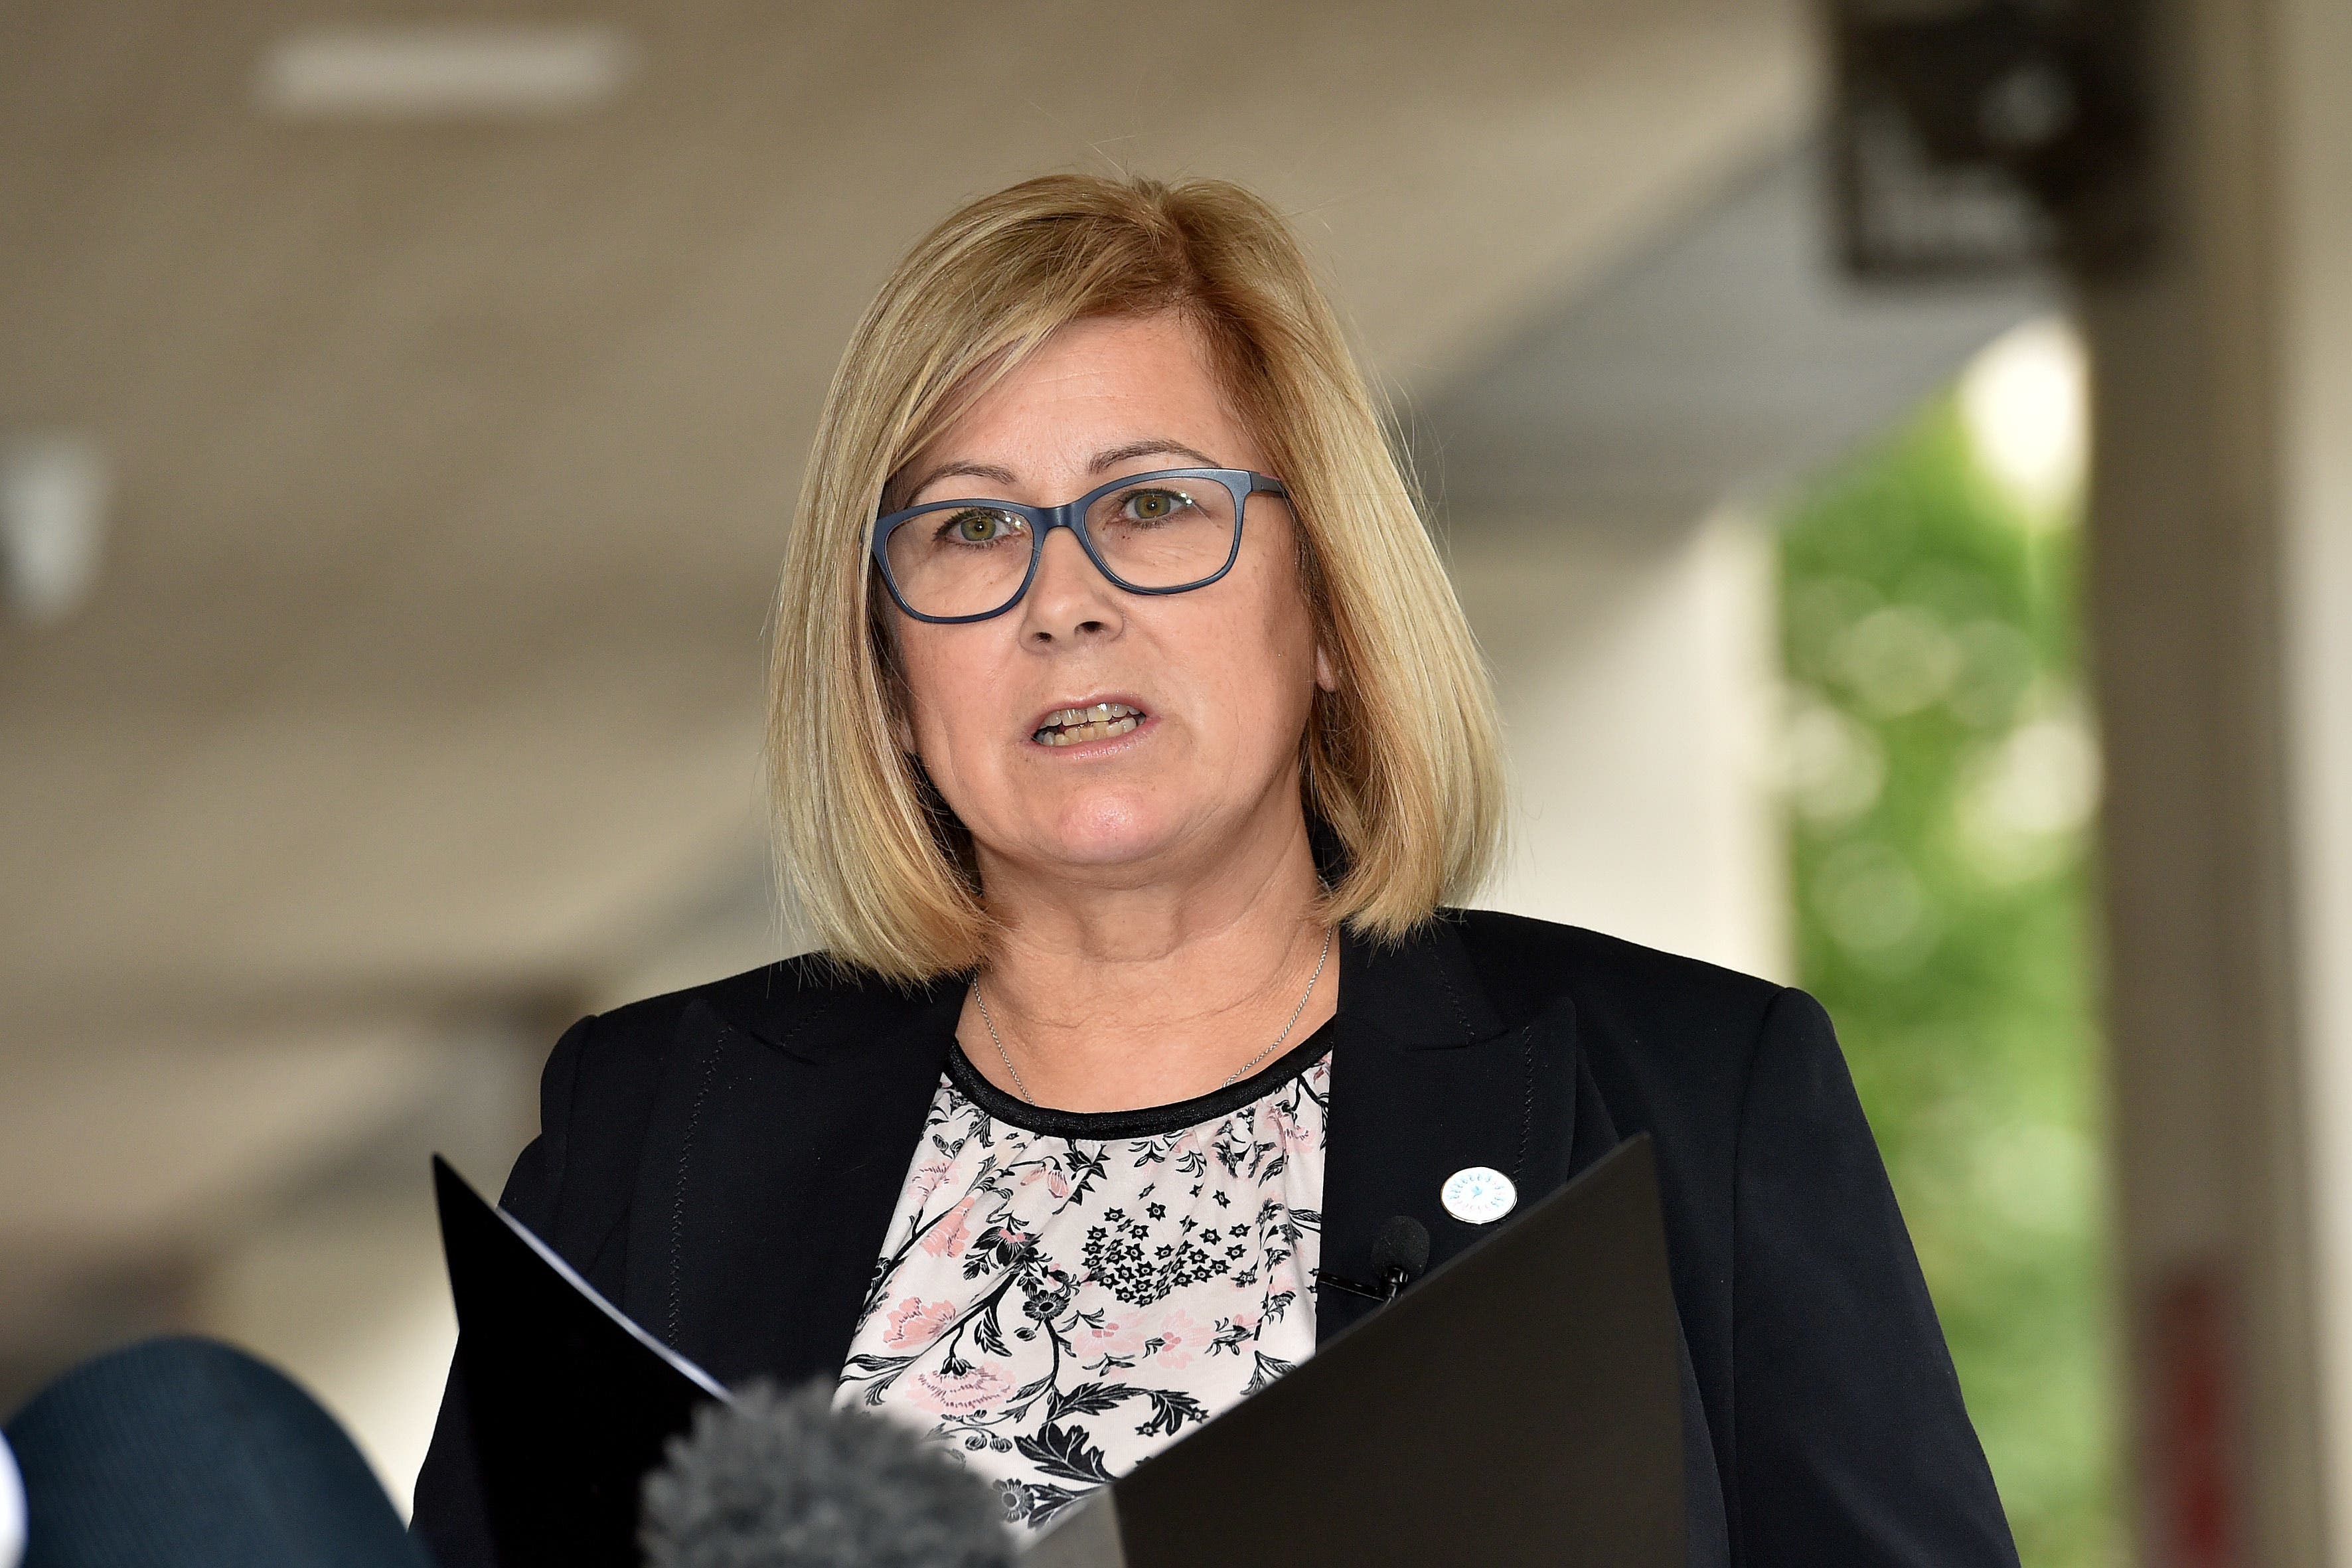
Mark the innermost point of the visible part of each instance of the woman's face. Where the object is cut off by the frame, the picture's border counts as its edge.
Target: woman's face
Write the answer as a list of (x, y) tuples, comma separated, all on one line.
[(1221, 678)]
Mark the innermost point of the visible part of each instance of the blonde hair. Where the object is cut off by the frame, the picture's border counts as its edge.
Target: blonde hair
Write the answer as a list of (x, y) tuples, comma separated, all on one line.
[(1400, 766)]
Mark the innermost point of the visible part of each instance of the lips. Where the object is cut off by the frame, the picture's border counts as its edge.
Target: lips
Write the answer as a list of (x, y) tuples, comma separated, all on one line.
[(1075, 726)]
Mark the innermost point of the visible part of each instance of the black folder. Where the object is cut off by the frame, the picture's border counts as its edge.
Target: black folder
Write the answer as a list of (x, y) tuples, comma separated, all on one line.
[(1521, 1405), (569, 1401)]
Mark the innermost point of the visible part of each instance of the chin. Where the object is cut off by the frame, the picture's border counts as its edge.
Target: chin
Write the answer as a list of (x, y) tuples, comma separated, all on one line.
[(1116, 831)]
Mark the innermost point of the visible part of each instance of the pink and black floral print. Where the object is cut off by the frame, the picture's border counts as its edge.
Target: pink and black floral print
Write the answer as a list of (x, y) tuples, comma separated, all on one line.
[(1056, 1307)]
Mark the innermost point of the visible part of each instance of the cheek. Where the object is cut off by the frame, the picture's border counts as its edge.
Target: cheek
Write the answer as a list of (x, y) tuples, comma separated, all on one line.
[(1285, 628), (1256, 660), (948, 683)]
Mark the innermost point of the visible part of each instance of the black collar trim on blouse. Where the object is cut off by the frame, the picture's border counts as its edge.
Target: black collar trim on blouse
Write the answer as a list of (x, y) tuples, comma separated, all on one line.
[(1147, 1121)]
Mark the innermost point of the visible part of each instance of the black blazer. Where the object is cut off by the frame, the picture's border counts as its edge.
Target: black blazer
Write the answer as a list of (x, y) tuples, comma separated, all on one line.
[(724, 1162)]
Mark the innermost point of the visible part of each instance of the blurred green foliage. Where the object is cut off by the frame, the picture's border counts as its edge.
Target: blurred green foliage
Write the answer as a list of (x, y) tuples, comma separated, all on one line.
[(1941, 782)]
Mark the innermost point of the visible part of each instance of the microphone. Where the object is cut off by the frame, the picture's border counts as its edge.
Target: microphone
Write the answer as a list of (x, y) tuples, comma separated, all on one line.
[(1401, 1252), (785, 1480)]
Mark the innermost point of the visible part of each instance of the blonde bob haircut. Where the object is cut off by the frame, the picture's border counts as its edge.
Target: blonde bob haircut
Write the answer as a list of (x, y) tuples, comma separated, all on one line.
[(1399, 767)]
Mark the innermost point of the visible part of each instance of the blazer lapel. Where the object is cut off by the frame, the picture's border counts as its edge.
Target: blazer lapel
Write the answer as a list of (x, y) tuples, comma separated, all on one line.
[(1427, 1079), (769, 1169)]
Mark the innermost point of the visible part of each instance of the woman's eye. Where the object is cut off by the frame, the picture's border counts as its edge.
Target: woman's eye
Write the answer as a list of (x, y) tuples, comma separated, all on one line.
[(978, 527), (1154, 506)]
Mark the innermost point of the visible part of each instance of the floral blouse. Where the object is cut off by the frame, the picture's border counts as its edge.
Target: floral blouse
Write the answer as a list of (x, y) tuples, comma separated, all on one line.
[(1062, 1294)]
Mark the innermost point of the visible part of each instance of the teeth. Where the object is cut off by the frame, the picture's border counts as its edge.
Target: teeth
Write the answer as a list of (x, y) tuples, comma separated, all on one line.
[(1071, 726), (1102, 730), (1096, 714)]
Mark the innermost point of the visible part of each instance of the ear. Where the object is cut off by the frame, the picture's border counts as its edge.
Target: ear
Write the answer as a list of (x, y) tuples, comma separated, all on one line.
[(903, 732), (1327, 674)]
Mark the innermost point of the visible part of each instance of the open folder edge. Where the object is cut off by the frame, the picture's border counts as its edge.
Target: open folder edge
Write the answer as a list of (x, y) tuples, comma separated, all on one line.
[(571, 1276)]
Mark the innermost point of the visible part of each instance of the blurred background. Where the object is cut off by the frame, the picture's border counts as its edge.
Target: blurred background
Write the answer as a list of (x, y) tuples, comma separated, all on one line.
[(1897, 456)]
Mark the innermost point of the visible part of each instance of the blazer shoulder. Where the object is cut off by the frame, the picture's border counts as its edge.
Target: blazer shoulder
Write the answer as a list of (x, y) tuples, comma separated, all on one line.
[(605, 1075), (606, 1070), (1525, 964), (1655, 1026), (808, 1000)]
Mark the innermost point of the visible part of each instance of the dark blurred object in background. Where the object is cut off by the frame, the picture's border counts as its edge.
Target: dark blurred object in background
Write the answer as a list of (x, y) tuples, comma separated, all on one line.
[(185, 1452), (1973, 136)]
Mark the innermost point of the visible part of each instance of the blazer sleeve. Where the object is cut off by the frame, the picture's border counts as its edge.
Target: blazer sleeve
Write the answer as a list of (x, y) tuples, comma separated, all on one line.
[(451, 1515), (1854, 1447)]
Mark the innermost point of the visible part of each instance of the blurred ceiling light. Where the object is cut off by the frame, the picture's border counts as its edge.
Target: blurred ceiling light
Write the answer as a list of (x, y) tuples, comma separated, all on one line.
[(2025, 401), (447, 70), (52, 522)]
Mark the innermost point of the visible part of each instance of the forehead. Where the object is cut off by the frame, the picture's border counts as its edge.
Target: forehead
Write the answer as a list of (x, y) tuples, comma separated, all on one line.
[(1093, 385)]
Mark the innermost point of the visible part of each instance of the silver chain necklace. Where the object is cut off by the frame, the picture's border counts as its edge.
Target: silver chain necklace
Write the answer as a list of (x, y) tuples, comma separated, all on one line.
[(1022, 1089)]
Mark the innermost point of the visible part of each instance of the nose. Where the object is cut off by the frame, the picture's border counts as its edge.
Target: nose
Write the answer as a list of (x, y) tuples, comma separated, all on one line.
[(1069, 602)]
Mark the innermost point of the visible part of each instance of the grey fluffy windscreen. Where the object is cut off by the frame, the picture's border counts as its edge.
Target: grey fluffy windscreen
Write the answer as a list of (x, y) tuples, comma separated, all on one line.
[(782, 1481)]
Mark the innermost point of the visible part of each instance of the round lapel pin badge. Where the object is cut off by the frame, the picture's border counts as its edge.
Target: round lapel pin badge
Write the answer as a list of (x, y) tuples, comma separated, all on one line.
[(1478, 1195)]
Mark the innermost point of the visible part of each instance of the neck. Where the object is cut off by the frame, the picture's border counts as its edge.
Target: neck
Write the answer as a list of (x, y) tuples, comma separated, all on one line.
[(1110, 997)]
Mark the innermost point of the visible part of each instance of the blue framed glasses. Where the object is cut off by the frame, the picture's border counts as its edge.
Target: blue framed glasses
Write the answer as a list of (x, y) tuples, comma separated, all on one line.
[(1168, 532)]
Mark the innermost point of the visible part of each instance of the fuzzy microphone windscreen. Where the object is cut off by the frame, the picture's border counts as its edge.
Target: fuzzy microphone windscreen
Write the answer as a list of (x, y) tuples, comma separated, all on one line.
[(783, 1480)]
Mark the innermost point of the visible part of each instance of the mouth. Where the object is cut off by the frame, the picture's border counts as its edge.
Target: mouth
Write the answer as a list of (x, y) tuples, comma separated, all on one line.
[(1076, 726)]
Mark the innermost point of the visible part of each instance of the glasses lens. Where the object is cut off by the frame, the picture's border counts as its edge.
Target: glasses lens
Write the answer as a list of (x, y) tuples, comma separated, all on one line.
[(959, 560), (1167, 532)]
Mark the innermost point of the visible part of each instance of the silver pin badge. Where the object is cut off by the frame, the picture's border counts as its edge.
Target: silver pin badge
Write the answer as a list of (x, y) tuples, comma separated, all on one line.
[(1478, 1195)]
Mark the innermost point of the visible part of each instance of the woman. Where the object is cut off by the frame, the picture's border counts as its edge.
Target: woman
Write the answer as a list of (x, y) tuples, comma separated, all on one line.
[(1127, 743)]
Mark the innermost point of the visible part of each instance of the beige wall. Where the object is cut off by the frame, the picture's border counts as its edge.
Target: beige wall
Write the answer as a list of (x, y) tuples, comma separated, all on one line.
[(340, 1285), (347, 1299), (1638, 676)]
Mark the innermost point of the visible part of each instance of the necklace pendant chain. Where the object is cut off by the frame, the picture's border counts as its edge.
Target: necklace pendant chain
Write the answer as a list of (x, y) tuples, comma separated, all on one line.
[(1292, 1023), (1018, 1087), (1022, 1089)]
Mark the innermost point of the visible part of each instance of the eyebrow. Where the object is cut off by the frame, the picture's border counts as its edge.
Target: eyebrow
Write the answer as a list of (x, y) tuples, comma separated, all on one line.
[(1102, 462), (974, 470), (1134, 449)]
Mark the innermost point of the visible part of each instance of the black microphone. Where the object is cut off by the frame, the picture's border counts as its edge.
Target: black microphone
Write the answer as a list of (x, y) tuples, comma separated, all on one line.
[(785, 1480), (1401, 1252)]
